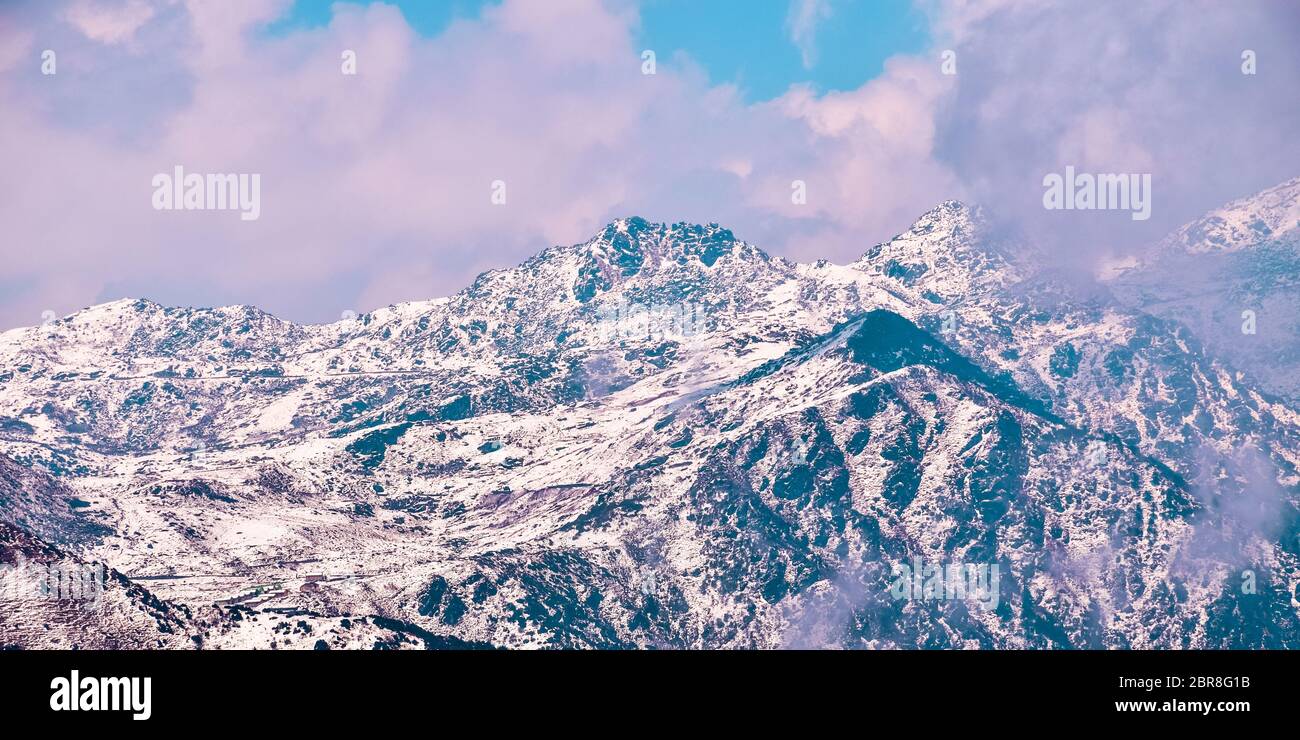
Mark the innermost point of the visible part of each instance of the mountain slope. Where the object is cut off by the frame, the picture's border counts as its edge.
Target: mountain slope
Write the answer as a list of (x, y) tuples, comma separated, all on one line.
[(1231, 277)]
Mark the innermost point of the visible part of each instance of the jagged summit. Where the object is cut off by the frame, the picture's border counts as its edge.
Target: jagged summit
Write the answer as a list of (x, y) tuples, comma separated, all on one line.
[(633, 245), (635, 229), (629, 242)]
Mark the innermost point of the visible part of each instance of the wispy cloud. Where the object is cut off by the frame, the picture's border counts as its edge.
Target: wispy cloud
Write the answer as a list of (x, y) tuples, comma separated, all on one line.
[(801, 23)]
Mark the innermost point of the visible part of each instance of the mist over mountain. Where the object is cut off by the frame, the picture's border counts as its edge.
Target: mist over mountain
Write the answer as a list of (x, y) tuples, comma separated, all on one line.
[(1224, 274), (666, 437)]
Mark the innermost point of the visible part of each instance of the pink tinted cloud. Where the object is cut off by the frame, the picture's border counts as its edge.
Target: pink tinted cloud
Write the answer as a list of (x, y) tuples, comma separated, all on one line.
[(1118, 87), (375, 187)]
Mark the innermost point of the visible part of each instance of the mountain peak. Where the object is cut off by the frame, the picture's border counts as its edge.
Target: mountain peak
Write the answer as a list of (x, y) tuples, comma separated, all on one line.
[(636, 234), (629, 246), (943, 255), (1243, 223), (949, 215), (951, 222)]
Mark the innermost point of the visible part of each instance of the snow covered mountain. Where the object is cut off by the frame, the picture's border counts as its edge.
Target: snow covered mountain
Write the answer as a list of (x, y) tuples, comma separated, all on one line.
[(664, 437), (1237, 286)]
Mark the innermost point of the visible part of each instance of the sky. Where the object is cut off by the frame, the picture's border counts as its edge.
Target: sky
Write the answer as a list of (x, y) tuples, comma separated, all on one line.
[(378, 187), (762, 47)]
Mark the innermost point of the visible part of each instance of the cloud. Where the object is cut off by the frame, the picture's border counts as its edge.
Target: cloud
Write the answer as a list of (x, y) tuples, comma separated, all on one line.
[(108, 23), (376, 187), (1243, 508), (801, 23), (1118, 87)]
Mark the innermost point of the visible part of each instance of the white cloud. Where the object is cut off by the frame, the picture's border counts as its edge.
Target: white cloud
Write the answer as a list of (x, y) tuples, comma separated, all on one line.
[(108, 23), (375, 187), (801, 23)]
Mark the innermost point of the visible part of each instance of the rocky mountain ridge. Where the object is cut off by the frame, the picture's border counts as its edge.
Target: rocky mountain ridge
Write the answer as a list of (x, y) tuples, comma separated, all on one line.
[(665, 437)]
